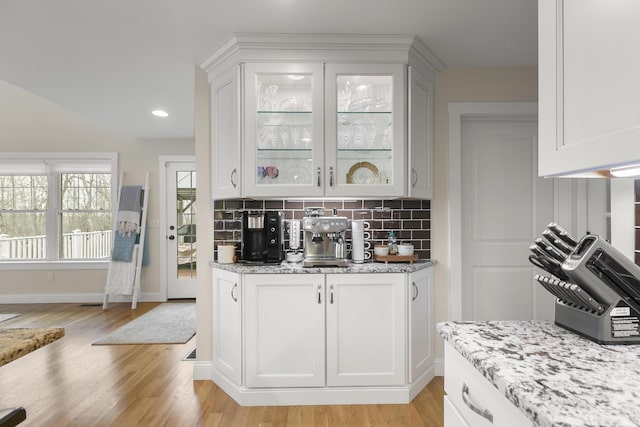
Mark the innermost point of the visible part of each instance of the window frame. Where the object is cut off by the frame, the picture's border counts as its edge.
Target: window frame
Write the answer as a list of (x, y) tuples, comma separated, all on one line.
[(53, 218)]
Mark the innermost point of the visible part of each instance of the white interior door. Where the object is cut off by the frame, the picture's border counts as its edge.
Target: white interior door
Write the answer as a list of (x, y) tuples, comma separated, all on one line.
[(180, 229), (504, 207)]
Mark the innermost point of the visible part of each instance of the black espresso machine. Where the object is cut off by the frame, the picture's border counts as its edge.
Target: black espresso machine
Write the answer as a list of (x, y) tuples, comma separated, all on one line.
[(597, 288), (262, 236)]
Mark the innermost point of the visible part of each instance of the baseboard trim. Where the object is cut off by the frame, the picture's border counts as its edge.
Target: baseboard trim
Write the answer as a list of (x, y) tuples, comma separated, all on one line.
[(75, 298), (438, 364), (202, 370)]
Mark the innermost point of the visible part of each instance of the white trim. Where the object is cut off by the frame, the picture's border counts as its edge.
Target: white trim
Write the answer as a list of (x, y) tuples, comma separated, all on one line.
[(64, 298), (459, 111), (54, 265), (163, 161), (366, 395)]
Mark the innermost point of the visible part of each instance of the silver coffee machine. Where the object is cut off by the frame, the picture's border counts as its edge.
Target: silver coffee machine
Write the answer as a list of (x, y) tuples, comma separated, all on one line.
[(324, 239)]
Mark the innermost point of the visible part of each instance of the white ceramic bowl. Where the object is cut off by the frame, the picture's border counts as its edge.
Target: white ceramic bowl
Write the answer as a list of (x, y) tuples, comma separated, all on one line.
[(405, 250), (295, 257), (381, 250)]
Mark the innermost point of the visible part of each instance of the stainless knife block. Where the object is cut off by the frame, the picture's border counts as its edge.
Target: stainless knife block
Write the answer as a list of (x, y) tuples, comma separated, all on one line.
[(601, 328)]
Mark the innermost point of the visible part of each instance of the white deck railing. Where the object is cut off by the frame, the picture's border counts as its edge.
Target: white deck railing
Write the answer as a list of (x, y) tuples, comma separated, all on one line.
[(75, 245)]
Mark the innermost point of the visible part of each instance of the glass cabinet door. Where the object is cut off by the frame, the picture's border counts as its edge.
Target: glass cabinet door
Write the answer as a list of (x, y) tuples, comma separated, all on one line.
[(365, 127), (283, 129)]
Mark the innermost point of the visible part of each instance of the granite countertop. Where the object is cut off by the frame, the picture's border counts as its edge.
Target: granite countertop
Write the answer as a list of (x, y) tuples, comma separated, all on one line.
[(293, 268), (555, 377), (16, 342)]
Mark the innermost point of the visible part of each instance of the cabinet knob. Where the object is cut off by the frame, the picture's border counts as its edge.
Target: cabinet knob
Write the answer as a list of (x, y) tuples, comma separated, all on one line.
[(414, 177), (414, 297), (331, 176), (319, 182)]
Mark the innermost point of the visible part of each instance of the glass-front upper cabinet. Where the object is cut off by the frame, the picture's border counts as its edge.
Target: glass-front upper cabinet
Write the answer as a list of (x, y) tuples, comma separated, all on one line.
[(284, 125), (365, 129)]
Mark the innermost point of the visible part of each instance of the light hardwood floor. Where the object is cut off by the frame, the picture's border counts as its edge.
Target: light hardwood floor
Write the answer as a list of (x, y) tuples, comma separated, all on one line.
[(72, 383)]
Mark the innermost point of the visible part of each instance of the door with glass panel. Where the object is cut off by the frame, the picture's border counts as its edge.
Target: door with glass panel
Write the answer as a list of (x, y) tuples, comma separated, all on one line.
[(283, 130), (365, 129), (181, 229)]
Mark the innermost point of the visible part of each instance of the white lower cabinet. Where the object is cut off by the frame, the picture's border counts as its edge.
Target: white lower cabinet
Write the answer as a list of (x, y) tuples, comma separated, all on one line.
[(421, 322), (284, 330), (290, 339), (227, 324), (366, 329), (471, 400)]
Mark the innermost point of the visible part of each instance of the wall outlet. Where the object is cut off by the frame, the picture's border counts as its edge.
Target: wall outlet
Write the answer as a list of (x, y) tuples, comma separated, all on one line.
[(49, 275)]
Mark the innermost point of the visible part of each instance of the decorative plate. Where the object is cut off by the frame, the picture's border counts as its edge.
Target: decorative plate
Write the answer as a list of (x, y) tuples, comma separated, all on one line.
[(363, 173)]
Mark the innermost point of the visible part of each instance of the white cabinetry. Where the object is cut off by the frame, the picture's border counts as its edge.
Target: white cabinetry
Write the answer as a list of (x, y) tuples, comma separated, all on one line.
[(227, 324), (225, 133), (472, 400), (322, 338), (421, 321), (589, 91), (284, 330), (366, 329), (322, 116)]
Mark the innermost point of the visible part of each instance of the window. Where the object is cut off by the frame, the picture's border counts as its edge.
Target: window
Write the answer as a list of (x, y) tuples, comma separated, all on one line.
[(55, 208)]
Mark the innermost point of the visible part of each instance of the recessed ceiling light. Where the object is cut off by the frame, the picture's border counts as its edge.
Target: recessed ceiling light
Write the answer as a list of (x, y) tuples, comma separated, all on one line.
[(295, 76), (160, 113)]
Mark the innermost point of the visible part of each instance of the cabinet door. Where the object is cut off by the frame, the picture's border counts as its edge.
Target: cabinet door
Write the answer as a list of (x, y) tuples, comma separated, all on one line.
[(283, 129), (421, 322), (420, 171), (366, 337), (365, 123), (227, 327), (284, 330), (589, 91), (225, 135)]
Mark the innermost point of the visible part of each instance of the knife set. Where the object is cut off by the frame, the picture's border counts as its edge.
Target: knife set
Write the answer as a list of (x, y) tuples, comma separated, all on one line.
[(597, 288)]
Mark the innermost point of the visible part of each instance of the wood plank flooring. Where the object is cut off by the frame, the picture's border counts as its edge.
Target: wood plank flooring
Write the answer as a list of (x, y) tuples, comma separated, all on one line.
[(72, 383)]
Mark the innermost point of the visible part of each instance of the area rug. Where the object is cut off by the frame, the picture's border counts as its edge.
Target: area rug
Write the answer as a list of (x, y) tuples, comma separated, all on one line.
[(4, 317), (169, 323)]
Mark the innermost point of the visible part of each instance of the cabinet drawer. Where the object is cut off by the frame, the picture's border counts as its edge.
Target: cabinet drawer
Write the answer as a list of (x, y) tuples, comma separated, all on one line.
[(452, 417), (466, 388)]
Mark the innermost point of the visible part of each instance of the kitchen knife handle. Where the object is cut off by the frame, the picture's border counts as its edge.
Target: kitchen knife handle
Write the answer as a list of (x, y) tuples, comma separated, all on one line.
[(466, 398), (233, 297), (319, 183), (417, 292)]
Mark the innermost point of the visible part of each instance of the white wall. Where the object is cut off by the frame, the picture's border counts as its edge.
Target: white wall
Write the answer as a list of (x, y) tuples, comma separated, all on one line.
[(491, 84), (32, 124)]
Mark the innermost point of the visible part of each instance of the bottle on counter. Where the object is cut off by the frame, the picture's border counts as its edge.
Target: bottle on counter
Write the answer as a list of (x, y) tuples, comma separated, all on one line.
[(392, 242)]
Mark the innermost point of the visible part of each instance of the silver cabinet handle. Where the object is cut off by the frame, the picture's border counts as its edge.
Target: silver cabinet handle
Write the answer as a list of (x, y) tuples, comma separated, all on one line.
[(331, 176), (319, 183), (331, 294), (234, 177), (417, 291), (233, 296), (414, 177), (319, 294), (466, 398)]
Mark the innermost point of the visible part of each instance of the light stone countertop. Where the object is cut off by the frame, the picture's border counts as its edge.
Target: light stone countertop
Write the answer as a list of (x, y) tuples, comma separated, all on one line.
[(555, 377), (297, 268)]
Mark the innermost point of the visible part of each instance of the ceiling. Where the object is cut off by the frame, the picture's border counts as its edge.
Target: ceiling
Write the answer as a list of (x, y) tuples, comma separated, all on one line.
[(115, 61)]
